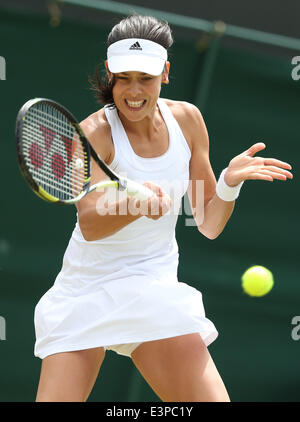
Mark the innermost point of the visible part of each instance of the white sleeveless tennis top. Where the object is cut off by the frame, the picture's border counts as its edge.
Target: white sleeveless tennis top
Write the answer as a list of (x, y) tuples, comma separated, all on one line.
[(124, 288)]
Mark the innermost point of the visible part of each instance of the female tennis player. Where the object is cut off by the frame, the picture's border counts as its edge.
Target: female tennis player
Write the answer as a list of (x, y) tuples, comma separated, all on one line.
[(118, 288)]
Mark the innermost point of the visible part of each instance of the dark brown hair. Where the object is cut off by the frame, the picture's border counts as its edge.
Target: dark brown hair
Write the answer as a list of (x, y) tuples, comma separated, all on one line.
[(134, 26)]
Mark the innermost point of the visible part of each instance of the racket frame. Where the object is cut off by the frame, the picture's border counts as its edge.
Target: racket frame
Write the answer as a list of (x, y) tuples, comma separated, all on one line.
[(88, 151), (121, 183)]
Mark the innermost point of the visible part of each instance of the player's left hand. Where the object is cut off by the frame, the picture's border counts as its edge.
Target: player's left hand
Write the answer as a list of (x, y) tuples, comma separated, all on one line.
[(247, 167)]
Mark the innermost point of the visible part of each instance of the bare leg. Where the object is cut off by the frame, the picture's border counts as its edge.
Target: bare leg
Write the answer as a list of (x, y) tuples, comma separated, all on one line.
[(180, 369), (69, 376)]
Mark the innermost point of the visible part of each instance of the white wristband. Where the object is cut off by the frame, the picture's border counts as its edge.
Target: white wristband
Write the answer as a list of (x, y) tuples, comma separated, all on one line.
[(225, 192)]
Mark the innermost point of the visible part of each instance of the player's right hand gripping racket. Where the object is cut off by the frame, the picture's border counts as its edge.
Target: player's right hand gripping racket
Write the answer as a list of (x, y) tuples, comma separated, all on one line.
[(54, 155)]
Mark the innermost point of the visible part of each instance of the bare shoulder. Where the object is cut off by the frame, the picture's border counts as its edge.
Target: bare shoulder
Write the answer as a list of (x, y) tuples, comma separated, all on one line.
[(97, 130), (183, 110), (190, 120)]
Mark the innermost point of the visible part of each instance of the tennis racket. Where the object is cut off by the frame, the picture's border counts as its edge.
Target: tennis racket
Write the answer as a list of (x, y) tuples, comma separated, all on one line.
[(54, 155)]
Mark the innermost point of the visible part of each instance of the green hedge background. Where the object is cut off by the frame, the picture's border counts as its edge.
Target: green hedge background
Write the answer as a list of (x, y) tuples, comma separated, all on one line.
[(252, 98)]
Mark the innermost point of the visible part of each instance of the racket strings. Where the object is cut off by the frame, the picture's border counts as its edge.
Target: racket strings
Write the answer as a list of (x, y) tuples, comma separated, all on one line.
[(53, 152), (37, 148), (48, 167)]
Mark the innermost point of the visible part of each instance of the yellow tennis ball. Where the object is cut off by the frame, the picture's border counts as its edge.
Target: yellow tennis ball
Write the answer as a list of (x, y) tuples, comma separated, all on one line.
[(257, 281)]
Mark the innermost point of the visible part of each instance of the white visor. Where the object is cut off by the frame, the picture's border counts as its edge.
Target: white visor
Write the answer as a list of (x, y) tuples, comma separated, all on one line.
[(135, 54)]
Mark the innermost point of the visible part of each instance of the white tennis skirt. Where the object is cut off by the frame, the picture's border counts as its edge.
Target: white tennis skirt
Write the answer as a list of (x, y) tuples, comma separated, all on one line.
[(135, 309)]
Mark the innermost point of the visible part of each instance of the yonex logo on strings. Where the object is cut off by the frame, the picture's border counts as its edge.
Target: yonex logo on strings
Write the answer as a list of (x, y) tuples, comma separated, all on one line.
[(2, 69), (136, 46), (37, 154)]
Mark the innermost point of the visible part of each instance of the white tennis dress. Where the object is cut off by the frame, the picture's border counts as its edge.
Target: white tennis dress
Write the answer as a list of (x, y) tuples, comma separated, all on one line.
[(123, 290)]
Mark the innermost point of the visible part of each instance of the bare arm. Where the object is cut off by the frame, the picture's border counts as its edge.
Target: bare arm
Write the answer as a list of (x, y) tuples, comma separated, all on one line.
[(210, 214), (98, 220), (213, 213)]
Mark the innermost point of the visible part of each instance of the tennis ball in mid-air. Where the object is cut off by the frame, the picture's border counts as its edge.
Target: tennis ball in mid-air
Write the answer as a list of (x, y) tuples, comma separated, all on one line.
[(257, 281)]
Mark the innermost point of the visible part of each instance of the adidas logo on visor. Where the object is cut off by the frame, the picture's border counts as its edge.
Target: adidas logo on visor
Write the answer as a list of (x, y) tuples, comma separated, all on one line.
[(136, 46)]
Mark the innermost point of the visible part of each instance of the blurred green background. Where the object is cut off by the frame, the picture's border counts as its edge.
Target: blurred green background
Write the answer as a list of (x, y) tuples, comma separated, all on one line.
[(252, 97)]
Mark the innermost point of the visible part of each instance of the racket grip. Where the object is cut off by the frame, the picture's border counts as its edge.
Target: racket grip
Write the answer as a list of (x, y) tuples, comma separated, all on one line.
[(137, 190)]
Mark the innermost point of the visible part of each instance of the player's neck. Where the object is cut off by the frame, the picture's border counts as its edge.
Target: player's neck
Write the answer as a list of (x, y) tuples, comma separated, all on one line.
[(148, 126)]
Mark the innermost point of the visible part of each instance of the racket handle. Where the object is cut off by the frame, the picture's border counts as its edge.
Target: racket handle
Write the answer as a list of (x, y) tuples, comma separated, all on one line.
[(137, 190)]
